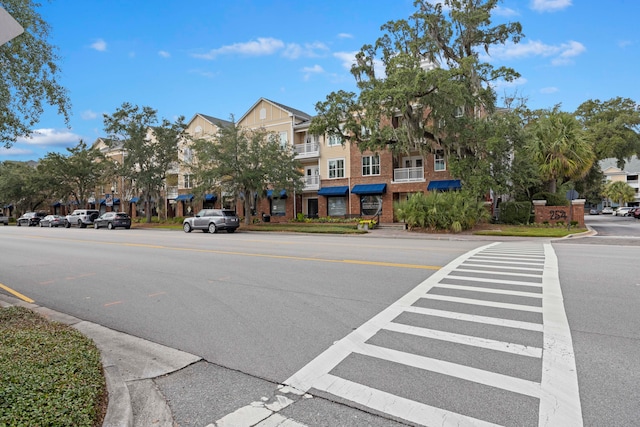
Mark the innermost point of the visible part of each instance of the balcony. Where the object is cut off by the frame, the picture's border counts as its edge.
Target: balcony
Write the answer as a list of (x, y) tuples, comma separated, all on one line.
[(308, 150), (311, 182), (172, 192), (408, 174)]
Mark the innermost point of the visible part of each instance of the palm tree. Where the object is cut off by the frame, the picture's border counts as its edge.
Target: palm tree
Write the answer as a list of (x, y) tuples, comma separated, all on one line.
[(559, 148), (620, 191)]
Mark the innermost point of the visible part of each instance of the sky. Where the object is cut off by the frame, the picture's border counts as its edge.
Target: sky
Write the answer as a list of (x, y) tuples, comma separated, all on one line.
[(219, 57)]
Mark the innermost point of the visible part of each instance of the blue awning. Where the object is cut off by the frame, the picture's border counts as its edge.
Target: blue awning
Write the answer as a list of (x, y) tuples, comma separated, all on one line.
[(134, 200), (184, 198), (444, 185), (56, 204), (333, 191), (116, 201), (210, 197), (369, 189), (283, 194)]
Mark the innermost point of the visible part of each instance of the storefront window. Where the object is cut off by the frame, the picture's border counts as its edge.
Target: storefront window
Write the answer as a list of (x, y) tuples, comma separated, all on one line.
[(336, 206), (371, 205), (278, 207)]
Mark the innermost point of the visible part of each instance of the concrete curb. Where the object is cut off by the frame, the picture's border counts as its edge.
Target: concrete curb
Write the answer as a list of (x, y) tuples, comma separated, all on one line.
[(119, 409)]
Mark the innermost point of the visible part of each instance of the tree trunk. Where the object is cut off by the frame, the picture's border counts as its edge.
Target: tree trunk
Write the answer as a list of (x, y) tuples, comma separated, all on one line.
[(552, 186), (247, 209)]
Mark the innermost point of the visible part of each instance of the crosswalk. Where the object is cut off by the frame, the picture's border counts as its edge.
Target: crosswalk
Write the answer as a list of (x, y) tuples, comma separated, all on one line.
[(484, 341)]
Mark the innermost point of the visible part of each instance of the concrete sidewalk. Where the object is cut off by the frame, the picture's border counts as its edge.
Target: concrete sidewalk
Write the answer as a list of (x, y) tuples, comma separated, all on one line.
[(130, 365)]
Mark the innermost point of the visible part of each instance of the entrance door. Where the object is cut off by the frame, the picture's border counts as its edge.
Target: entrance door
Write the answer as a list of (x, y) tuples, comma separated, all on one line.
[(312, 208)]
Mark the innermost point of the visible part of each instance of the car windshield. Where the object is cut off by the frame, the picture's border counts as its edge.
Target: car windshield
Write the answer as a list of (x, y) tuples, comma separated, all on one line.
[(228, 213)]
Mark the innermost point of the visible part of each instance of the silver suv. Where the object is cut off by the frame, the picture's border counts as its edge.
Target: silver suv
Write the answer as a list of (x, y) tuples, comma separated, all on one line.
[(82, 217), (212, 220)]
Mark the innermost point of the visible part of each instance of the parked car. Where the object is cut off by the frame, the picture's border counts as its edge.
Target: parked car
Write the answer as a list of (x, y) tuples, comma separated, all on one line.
[(112, 220), (622, 211), (635, 212), (212, 220), (594, 211), (4, 219), (607, 210), (30, 219), (53, 221), (82, 217)]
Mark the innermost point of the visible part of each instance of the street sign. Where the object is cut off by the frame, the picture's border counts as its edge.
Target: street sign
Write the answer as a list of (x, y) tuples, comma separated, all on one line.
[(9, 27)]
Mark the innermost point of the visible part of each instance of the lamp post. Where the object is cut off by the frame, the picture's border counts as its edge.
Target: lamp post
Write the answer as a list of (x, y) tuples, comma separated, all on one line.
[(113, 189)]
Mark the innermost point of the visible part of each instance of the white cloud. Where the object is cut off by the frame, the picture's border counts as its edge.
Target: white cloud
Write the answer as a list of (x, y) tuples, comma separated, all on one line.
[(260, 47), (203, 73), (505, 11), (549, 5), (15, 152), (88, 115), (345, 36), (550, 89), (561, 54), (51, 137), (308, 50), (164, 54), (347, 58), (308, 71), (99, 45)]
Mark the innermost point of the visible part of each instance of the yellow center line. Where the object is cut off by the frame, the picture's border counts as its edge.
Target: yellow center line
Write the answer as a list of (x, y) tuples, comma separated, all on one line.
[(213, 251), (17, 294)]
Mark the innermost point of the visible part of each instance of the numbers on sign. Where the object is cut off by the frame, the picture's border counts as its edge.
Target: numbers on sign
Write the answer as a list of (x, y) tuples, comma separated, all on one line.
[(556, 215)]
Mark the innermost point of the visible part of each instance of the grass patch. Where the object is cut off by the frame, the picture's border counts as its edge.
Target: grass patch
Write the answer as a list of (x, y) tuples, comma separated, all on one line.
[(306, 227), (50, 374), (529, 231)]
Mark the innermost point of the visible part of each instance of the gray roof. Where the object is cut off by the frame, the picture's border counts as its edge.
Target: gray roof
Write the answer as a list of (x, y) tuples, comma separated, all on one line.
[(216, 121), (297, 113), (632, 164)]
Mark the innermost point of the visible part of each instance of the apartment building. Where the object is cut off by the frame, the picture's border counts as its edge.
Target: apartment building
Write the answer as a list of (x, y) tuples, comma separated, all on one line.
[(629, 175), (338, 181)]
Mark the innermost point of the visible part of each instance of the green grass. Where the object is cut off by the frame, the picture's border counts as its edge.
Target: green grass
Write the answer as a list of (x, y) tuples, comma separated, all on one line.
[(50, 374), (529, 231), (306, 227)]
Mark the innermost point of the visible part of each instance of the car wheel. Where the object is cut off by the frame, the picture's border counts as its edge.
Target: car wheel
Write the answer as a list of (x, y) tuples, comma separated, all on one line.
[(67, 224), (41, 225), (110, 226), (231, 230), (81, 225), (212, 228), (95, 225), (18, 224), (186, 227)]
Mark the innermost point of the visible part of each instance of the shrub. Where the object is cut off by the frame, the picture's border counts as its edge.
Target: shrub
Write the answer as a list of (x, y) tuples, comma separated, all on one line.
[(515, 212), (553, 199), (450, 211)]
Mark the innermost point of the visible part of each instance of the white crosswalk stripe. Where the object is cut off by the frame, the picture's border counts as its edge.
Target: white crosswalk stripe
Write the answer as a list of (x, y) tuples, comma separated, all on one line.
[(484, 301)]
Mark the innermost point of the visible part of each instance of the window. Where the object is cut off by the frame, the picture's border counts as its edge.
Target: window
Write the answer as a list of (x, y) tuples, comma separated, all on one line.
[(438, 163), (188, 181), (336, 206), (278, 207), (336, 168), (188, 155), (283, 140), (263, 113), (334, 140), (365, 131), (370, 165)]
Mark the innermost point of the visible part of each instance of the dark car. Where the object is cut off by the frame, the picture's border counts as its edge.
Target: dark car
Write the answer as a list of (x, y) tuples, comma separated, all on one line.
[(634, 212), (53, 221), (113, 220), (212, 220), (30, 219)]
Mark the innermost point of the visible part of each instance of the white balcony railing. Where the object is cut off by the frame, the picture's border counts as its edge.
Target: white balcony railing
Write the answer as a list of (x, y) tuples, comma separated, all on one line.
[(408, 174), (307, 150), (172, 192), (311, 182)]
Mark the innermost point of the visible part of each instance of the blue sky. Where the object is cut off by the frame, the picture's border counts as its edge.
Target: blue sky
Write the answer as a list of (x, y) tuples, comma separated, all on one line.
[(219, 57)]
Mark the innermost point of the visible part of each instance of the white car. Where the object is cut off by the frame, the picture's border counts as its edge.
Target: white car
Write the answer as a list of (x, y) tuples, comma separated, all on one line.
[(622, 211), (607, 210)]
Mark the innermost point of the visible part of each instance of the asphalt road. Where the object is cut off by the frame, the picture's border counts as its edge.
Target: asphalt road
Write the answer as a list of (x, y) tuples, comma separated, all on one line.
[(261, 309)]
